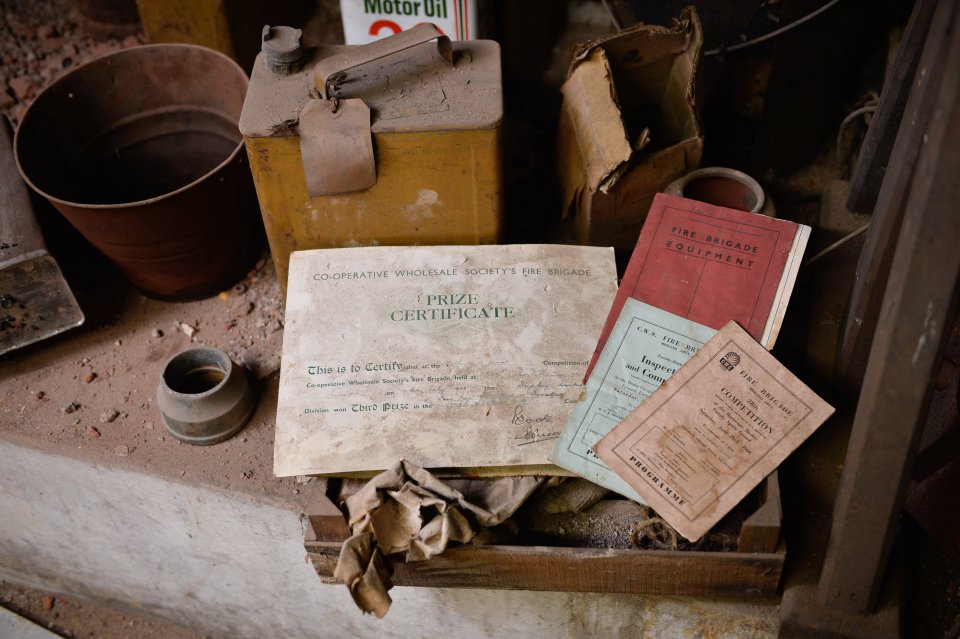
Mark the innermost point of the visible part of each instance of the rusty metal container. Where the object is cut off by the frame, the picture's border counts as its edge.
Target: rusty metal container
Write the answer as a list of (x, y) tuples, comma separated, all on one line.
[(140, 151), (723, 187), (395, 142)]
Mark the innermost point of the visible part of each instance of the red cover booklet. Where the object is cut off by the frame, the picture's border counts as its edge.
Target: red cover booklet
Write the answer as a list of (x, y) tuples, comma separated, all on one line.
[(711, 264)]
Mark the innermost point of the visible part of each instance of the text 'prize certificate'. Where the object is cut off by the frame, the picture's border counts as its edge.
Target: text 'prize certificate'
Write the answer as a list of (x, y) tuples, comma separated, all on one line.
[(451, 356)]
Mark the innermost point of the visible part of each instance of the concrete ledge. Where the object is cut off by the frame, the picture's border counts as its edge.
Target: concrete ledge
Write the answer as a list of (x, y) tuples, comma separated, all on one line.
[(207, 536), (232, 565)]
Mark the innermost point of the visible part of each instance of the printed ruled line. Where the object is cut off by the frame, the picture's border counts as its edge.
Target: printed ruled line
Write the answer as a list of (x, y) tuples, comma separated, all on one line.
[(727, 228), (693, 298), (713, 261), (766, 277)]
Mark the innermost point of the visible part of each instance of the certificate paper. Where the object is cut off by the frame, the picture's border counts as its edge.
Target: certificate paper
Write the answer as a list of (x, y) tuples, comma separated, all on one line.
[(713, 431), (450, 356), (647, 345)]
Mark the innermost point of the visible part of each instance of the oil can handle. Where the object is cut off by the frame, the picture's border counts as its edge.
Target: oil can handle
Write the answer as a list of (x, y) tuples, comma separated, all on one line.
[(327, 68)]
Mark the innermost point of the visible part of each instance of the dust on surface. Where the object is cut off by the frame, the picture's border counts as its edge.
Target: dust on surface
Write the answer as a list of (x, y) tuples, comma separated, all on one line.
[(90, 393), (76, 619), (622, 523), (40, 41)]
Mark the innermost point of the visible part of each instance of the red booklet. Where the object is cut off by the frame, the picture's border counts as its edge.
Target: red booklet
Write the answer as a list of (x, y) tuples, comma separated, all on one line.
[(711, 264)]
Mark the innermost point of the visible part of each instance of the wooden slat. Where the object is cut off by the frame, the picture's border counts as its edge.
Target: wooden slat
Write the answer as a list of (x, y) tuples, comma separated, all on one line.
[(753, 572), (587, 570), (873, 269), (919, 308), (760, 531), (878, 143), (326, 521)]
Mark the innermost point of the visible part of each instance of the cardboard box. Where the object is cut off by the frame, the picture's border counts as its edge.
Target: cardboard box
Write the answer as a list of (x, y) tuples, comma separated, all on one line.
[(628, 127)]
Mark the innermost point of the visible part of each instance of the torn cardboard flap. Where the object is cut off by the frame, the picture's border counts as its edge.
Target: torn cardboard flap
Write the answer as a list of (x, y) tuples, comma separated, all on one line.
[(641, 43), (595, 116), (628, 126)]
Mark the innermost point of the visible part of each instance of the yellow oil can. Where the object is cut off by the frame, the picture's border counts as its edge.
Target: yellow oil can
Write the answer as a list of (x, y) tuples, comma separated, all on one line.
[(396, 142)]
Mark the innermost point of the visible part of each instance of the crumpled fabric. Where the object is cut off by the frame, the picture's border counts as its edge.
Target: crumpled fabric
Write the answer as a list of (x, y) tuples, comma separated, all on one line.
[(405, 509), (567, 495)]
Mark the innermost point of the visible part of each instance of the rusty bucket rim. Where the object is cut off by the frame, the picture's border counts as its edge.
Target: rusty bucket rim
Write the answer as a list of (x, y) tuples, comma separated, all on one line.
[(99, 59), (677, 186)]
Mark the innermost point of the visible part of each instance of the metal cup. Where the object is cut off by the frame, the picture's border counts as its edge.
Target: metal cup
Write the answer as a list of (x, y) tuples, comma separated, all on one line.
[(203, 396)]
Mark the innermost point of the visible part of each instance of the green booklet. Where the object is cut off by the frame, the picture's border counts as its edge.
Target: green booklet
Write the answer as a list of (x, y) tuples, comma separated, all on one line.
[(646, 346)]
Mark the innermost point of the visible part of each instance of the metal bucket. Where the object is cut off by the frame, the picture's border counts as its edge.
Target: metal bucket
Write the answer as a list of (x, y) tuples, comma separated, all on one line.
[(140, 151)]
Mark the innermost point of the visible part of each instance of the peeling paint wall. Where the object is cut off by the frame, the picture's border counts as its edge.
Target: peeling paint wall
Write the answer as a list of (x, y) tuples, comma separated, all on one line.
[(232, 566)]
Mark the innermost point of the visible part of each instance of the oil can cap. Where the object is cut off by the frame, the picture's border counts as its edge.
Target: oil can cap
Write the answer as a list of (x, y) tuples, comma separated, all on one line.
[(282, 49)]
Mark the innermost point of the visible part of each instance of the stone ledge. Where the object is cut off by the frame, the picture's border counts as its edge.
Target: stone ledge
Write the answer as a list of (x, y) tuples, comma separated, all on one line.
[(90, 393)]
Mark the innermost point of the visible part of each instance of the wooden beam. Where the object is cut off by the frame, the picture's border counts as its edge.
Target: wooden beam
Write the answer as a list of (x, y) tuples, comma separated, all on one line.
[(661, 572), (875, 152), (760, 531), (752, 572), (917, 314), (873, 269)]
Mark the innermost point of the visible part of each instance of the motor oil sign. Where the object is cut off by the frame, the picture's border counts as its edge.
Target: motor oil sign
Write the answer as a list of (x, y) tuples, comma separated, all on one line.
[(368, 20)]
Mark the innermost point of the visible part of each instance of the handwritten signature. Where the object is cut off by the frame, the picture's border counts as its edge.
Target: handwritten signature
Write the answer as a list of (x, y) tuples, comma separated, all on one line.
[(520, 418), (526, 384), (539, 393), (460, 400), (533, 435)]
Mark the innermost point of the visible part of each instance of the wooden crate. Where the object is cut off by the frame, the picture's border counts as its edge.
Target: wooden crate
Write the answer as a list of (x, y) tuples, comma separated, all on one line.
[(752, 571)]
